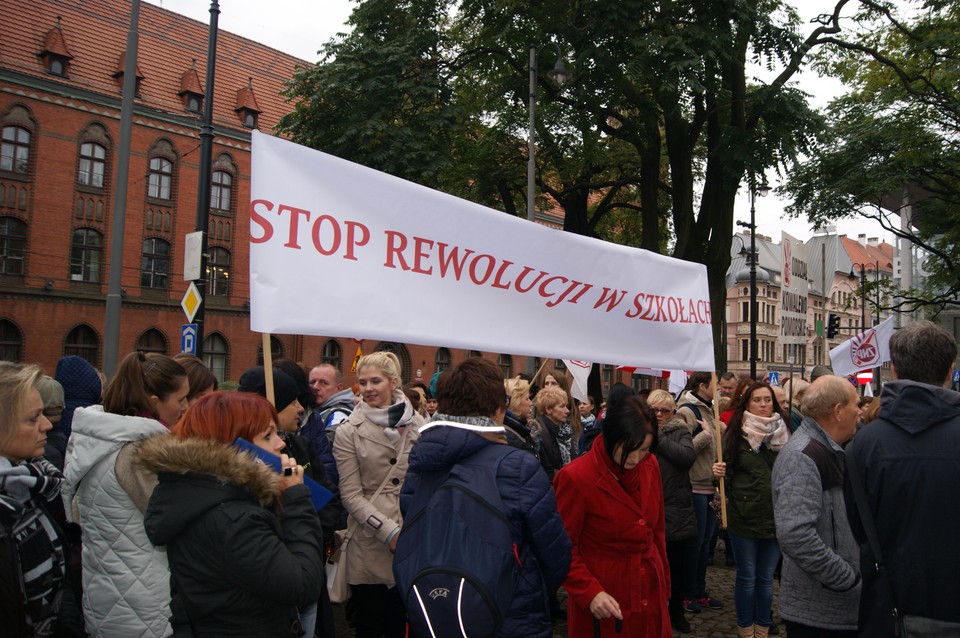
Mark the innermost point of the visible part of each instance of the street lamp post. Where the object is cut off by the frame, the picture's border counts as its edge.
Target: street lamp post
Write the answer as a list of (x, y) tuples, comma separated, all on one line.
[(763, 189), (560, 75), (862, 267)]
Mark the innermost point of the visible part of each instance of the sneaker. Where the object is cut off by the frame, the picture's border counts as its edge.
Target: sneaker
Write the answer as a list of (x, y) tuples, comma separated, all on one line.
[(707, 602), (692, 606)]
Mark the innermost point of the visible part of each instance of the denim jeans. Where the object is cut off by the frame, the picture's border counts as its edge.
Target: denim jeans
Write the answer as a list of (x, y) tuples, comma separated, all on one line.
[(706, 523), (753, 587)]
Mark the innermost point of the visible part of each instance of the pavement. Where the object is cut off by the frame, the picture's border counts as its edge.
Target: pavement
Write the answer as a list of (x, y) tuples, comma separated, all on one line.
[(719, 623)]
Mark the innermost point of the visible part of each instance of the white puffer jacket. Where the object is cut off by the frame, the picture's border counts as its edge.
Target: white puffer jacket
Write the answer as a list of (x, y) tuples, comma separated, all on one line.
[(126, 580)]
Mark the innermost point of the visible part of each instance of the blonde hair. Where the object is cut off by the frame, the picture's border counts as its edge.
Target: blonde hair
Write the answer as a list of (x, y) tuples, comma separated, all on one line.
[(549, 398), (385, 362), (661, 397), (15, 380), (516, 389)]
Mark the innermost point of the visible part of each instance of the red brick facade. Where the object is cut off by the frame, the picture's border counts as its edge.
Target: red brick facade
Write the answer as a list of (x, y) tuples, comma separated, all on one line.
[(61, 72)]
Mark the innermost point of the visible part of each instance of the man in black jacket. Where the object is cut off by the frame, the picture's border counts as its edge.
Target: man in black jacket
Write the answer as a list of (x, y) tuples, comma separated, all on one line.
[(909, 462)]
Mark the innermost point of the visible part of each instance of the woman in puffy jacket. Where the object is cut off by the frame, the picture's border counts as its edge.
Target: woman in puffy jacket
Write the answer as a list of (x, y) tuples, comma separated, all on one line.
[(244, 542), (126, 581)]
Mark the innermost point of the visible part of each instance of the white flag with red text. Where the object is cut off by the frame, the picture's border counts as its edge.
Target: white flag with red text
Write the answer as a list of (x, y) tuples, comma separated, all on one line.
[(581, 372), (866, 350)]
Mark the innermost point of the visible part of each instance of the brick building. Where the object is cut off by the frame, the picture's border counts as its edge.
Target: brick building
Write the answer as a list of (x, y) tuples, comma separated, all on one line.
[(61, 75)]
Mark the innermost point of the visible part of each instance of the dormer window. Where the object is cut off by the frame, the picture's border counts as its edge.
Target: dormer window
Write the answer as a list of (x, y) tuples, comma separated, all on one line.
[(118, 74), (247, 108), (54, 55), (191, 91)]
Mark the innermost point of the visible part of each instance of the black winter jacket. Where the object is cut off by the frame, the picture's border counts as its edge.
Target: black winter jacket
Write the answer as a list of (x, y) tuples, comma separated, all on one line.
[(676, 455), (909, 460), (519, 434), (531, 509), (236, 568)]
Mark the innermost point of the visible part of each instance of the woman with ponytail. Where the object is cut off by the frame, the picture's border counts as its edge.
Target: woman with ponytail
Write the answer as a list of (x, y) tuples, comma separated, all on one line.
[(126, 588)]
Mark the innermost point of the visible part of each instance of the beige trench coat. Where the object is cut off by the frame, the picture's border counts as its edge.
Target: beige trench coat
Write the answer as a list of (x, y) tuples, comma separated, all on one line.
[(364, 457)]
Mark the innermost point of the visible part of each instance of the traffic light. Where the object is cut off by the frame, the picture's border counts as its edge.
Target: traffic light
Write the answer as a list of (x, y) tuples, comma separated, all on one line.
[(833, 325)]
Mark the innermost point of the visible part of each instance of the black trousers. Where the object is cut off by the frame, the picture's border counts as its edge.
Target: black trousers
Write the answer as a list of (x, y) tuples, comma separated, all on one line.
[(796, 630), (378, 611)]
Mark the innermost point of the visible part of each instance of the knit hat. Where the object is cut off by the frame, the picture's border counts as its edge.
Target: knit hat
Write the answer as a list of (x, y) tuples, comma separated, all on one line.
[(819, 371), (51, 392), (284, 388)]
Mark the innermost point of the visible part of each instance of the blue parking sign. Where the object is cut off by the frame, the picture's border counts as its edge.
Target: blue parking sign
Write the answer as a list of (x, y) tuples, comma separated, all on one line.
[(188, 338)]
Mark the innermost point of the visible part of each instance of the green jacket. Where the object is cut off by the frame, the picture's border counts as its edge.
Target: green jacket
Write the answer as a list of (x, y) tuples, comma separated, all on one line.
[(748, 487)]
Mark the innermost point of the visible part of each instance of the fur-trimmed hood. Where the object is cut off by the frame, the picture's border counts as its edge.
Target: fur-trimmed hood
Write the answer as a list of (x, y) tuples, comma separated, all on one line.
[(197, 475), (674, 423)]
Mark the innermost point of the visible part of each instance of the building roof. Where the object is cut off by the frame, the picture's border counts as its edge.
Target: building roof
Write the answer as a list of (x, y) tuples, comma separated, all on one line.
[(869, 254), (95, 33)]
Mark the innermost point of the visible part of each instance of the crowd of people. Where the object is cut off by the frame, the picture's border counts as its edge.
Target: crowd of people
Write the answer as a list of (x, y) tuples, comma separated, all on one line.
[(156, 504)]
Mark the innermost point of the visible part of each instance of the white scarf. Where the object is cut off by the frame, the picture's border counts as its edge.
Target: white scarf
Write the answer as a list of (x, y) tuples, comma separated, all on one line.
[(760, 430)]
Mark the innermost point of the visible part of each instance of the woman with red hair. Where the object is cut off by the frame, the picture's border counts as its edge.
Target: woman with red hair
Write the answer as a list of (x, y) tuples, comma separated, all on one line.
[(238, 566)]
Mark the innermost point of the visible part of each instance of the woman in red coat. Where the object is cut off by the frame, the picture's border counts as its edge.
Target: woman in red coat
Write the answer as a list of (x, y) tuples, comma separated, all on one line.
[(611, 502)]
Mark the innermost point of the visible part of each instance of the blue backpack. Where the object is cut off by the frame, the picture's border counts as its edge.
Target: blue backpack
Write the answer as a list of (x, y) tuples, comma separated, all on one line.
[(456, 563)]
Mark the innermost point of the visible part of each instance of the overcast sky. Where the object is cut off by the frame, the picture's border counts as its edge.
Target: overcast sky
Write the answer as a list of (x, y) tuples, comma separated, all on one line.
[(301, 27)]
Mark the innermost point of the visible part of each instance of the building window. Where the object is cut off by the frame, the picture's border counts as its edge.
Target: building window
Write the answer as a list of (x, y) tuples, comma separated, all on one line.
[(607, 376), (152, 341), (406, 368), (11, 342), (15, 150), (744, 350), (558, 364), (332, 353), (57, 66), (220, 191), (505, 362), (92, 163), (276, 350), (215, 355), (218, 272), (474, 353), (83, 342), (154, 263), (441, 361), (13, 245), (85, 255), (159, 178)]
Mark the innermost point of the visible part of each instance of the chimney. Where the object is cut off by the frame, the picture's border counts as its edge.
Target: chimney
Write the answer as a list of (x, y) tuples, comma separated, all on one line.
[(874, 241), (862, 238)]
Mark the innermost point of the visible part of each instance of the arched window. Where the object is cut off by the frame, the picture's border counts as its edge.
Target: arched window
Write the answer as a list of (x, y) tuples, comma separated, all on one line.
[(505, 362), (215, 355), (83, 342), (152, 341), (11, 341), (474, 353), (441, 362), (15, 150), (406, 367), (221, 191), (558, 364), (276, 350), (92, 164), (160, 178), (607, 375), (13, 245), (85, 252), (154, 263), (332, 354), (218, 272)]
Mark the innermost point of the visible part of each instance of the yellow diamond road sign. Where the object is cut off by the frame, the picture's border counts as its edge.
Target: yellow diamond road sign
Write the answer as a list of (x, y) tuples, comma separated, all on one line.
[(191, 302)]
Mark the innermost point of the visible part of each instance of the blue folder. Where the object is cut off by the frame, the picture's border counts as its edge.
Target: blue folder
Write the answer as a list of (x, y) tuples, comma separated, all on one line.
[(319, 495)]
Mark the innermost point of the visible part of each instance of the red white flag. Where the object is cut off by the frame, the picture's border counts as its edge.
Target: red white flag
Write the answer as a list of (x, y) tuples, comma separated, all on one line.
[(868, 349), (581, 372)]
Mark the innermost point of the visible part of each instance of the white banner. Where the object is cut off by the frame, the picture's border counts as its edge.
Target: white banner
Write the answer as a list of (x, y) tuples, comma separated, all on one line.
[(793, 291), (581, 373), (866, 350), (340, 249)]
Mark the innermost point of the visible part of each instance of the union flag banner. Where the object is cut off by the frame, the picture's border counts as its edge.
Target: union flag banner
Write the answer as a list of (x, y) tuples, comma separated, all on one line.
[(338, 248), (868, 349)]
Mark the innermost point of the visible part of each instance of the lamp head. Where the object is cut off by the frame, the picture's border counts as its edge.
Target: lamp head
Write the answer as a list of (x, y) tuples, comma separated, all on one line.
[(559, 73), (764, 188)]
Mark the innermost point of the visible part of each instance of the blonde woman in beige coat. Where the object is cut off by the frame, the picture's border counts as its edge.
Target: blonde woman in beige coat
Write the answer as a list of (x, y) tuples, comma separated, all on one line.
[(371, 449)]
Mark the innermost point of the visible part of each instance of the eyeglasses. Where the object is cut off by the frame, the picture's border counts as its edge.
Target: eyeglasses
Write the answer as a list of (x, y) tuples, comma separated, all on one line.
[(659, 411)]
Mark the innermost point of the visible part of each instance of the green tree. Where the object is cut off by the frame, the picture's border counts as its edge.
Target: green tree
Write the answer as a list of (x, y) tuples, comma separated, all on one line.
[(662, 120), (894, 133)]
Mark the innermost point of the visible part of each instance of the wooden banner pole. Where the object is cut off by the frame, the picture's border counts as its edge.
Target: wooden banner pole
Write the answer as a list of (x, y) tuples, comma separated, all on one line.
[(716, 438), (268, 368)]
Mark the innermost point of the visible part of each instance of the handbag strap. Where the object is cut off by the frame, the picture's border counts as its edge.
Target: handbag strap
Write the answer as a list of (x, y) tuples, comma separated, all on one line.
[(870, 528)]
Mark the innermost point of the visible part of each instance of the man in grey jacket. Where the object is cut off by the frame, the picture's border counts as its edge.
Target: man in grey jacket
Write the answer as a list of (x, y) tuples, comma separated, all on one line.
[(820, 580)]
